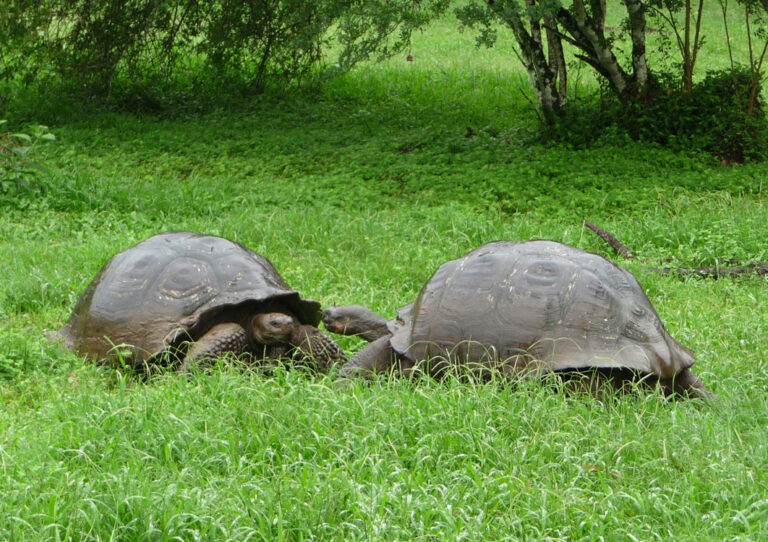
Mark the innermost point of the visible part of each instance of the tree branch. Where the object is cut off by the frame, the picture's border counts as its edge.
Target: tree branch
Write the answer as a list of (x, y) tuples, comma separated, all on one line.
[(592, 41), (713, 272), (610, 239)]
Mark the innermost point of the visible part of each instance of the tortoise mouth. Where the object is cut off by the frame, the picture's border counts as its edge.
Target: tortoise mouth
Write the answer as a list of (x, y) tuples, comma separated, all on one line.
[(334, 327), (329, 321), (334, 323)]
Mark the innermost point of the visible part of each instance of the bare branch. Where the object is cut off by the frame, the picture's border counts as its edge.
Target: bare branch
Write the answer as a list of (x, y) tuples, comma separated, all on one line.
[(697, 35), (724, 7), (715, 272), (610, 239)]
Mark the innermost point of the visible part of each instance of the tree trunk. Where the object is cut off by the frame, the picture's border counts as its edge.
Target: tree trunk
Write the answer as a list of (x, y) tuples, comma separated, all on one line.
[(588, 37), (636, 12), (598, 13), (544, 76), (556, 58)]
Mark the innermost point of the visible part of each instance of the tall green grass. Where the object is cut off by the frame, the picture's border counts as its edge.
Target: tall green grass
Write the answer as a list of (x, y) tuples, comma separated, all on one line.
[(357, 194), (233, 456)]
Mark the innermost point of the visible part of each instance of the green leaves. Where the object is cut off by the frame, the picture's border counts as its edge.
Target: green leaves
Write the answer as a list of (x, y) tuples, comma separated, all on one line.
[(357, 197), (19, 177), (238, 44)]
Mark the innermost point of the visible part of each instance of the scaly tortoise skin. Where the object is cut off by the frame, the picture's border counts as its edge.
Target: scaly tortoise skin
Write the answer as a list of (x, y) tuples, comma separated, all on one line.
[(194, 297), (529, 307)]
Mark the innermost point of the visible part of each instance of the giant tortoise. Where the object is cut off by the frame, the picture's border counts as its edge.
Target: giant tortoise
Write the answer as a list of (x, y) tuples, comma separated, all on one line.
[(523, 308), (193, 297)]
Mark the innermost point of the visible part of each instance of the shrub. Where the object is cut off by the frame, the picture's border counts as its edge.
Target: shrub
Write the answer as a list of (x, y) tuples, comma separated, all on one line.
[(248, 43), (720, 116), (19, 175), (717, 116)]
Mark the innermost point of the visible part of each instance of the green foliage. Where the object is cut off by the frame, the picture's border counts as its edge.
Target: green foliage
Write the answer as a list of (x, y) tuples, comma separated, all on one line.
[(486, 16), (18, 40), (20, 177), (229, 45), (719, 116), (251, 41), (379, 29), (357, 195)]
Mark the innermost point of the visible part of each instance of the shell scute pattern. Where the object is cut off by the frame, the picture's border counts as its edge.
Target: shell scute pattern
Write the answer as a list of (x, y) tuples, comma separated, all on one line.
[(539, 304), (124, 280), (186, 281)]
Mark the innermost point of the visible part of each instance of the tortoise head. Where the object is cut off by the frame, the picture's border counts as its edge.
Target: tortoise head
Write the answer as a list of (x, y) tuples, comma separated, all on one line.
[(272, 327), (347, 320), (355, 320)]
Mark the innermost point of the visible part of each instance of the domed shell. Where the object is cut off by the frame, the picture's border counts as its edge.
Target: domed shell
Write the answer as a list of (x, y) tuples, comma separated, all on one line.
[(157, 291), (537, 305)]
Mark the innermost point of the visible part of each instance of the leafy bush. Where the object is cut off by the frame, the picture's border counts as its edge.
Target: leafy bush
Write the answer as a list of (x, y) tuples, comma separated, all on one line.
[(241, 44), (718, 116), (721, 116), (19, 176)]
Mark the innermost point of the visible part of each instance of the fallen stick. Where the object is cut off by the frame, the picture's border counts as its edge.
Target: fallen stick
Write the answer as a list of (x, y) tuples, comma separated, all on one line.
[(610, 239), (714, 272)]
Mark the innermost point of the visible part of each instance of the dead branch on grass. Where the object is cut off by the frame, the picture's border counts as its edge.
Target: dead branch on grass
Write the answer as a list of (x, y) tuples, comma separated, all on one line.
[(714, 272)]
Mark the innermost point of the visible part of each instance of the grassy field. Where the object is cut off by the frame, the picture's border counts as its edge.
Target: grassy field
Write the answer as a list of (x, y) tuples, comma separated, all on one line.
[(357, 195)]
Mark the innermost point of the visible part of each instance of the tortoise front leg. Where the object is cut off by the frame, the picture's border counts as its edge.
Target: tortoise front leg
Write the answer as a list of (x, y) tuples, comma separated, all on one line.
[(220, 339), (318, 346)]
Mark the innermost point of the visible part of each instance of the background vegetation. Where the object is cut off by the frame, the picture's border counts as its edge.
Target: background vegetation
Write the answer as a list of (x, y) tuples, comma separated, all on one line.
[(357, 192), (154, 55)]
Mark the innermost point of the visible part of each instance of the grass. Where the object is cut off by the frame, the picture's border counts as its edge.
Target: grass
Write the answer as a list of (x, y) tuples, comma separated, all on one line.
[(357, 195), (233, 456)]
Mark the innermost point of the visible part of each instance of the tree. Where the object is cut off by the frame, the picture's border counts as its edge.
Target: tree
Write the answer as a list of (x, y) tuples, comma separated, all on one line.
[(722, 113), (91, 42), (583, 26)]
